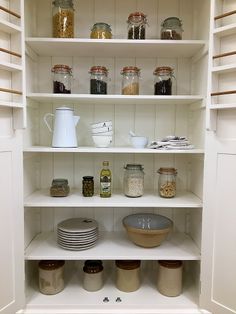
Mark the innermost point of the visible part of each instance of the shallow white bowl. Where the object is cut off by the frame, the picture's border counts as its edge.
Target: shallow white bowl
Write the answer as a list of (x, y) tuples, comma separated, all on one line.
[(101, 124), (139, 141), (101, 130), (102, 141)]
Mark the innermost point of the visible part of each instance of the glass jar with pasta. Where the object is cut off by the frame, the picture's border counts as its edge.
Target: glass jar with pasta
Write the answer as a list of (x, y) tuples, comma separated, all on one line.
[(63, 19), (167, 182)]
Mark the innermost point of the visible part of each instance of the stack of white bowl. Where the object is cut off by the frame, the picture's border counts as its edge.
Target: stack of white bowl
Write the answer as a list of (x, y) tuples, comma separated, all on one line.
[(102, 133)]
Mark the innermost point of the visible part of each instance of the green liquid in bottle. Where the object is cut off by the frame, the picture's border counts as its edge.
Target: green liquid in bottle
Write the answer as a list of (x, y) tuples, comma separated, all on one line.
[(105, 180)]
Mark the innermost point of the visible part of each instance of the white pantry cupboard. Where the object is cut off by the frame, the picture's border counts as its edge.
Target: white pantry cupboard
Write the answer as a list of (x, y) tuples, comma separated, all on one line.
[(203, 210)]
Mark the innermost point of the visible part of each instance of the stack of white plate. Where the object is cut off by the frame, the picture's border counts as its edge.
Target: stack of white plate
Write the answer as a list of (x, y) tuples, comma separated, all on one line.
[(102, 133), (77, 233)]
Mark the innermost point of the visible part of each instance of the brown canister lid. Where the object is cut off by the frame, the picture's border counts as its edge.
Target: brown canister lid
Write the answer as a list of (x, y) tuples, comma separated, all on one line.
[(98, 69), (167, 170), (128, 264), (170, 263), (163, 70), (51, 264), (92, 266), (61, 68), (130, 69)]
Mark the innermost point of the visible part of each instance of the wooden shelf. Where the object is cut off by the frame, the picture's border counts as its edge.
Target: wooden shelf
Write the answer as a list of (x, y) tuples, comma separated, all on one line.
[(224, 68), (11, 67), (183, 199), (114, 245), (9, 27), (83, 47), (225, 30)]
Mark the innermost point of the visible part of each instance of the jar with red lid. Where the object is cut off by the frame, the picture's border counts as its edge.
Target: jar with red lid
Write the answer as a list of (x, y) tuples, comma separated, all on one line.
[(163, 80), (98, 80), (62, 79), (137, 25), (167, 182), (128, 275), (130, 80)]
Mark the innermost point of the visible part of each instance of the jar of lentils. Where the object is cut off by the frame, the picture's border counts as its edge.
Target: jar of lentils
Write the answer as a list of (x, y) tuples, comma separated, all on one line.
[(63, 19), (101, 31), (137, 25), (167, 182), (98, 80), (130, 80), (88, 186), (62, 75), (163, 80), (133, 180), (172, 28)]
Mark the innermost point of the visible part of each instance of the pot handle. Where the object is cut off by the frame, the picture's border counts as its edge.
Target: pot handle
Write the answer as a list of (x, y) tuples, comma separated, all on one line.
[(46, 122)]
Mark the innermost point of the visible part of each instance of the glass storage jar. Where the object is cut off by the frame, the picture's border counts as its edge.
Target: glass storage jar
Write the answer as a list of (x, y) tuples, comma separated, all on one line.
[(93, 275), (88, 186), (51, 276), (98, 80), (167, 182), (163, 80), (171, 28), (63, 19), (130, 80), (61, 79), (169, 277), (133, 180), (101, 31), (128, 275), (137, 25), (59, 188)]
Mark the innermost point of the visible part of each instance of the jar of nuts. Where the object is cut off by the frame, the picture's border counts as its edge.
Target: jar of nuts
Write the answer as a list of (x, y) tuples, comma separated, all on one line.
[(63, 19), (133, 180), (167, 182)]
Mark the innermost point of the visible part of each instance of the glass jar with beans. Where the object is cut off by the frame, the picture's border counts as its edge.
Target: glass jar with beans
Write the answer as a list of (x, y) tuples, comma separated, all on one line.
[(61, 79), (98, 80), (137, 25), (63, 19), (133, 180), (163, 77)]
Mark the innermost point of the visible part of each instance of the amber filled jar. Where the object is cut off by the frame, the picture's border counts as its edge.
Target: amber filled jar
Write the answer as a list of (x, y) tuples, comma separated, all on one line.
[(169, 278), (51, 276), (61, 79), (101, 31), (128, 275), (59, 188), (130, 80), (63, 19), (133, 180), (167, 182), (171, 28), (163, 80), (93, 275), (98, 80), (88, 186), (137, 25)]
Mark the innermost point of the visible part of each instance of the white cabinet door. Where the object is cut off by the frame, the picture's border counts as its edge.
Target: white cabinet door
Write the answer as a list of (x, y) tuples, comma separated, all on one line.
[(218, 276), (11, 225)]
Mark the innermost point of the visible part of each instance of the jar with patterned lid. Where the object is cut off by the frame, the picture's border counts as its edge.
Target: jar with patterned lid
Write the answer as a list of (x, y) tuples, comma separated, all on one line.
[(98, 80), (93, 275), (63, 19), (163, 80), (137, 25), (130, 80), (62, 75), (128, 275), (101, 31), (133, 180), (167, 182)]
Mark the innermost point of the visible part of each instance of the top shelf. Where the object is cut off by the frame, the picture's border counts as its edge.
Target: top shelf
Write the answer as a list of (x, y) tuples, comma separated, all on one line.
[(115, 47)]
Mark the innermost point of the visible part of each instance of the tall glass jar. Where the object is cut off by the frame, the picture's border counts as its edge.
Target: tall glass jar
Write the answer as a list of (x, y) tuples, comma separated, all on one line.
[(101, 31), (137, 25), (61, 79), (133, 180), (171, 28), (98, 80), (130, 80), (167, 182), (63, 19), (128, 275), (163, 80)]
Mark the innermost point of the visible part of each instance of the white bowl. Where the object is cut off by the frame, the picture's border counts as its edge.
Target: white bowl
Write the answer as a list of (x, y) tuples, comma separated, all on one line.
[(101, 124), (102, 141), (103, 133), (139, 141), (101, 130)]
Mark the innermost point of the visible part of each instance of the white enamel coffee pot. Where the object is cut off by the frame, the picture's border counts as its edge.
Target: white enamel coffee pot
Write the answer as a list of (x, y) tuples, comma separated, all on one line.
[(64, 132)]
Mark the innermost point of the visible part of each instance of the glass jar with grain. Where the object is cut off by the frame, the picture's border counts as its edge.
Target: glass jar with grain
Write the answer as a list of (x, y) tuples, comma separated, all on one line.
[(101, 31), (133, 180), (167, 182), (130, 80), (63, 19), (137, 25)]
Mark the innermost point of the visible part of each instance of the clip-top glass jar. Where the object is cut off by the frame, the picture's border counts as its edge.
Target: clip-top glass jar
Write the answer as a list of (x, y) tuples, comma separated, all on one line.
[(63, 19), (101, 31), (130, 80), (98, 80), (137, 25), (133, 180), (163, 80), (172, 28), (61, 79), (167, 182)]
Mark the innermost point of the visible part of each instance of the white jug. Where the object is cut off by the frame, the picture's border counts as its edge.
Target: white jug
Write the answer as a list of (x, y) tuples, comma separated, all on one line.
[(64, 132)]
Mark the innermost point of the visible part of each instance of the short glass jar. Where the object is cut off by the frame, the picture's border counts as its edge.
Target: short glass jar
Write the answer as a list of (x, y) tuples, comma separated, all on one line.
[(133, 180), (171, 28), (59, 188), (163, 80), (169, 277), (98, 80), (130, 80), (128, 275), (167, 182), (137, 25), (61, 79), (101, 31), (88, 186), (51, 276), (93, 275), (63, 19)]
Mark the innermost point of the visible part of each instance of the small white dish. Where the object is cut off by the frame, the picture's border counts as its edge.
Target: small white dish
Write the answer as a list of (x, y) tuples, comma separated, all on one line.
[(102, 141)]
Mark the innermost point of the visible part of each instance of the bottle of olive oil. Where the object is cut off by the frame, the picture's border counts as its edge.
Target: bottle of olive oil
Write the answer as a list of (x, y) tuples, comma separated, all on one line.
[(105, 180)]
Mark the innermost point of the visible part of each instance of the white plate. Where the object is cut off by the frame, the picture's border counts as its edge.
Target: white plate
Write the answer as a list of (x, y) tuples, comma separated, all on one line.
[(77, 234), (78, 225)]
